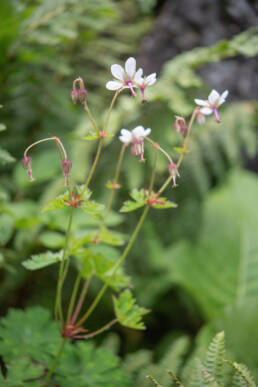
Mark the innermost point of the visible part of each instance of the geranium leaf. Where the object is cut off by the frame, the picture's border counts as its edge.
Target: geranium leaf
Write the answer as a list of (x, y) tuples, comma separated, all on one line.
[(38, 261), (127, 312)]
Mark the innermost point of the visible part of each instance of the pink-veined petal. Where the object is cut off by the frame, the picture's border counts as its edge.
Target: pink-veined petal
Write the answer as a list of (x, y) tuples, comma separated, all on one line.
[(206, 111), (117, 71), (138, 76), (130, 66), (201, 102), (151, 79), (113, 85), (213, 97)]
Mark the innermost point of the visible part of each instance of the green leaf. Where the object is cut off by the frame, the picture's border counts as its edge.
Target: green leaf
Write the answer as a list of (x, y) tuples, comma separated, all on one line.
[(94, 209), (242, 377), (57, 203), (91, 137), (38, 261), (138, 195), (154, 381), (235, 243), (128, 313), (110, 237), (179, 150), (102, 266), (140, 199), (6, 157), (163, 203), (21, 372), (214, 363), (29, 333), (175, 379), (84, 365), (52, 239), (129, 206)]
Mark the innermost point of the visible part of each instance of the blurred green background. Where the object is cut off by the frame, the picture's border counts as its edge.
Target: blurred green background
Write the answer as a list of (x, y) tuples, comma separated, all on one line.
[(195, 267)]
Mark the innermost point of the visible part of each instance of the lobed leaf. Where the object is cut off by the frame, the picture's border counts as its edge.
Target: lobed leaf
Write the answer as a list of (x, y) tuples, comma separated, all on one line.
[(127, 312), (38, 261), (57, 203)]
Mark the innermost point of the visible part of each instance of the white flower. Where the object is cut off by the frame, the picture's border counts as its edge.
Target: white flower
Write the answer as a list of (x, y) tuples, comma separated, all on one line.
[(144, 82), (136, 137), (125, 78), (211, 105)]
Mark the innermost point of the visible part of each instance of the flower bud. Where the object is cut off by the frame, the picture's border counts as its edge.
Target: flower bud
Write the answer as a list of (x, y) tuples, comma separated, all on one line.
[(66, 167), (173, 170), (200, 118), (180, 126), (79, 94), (27, 164), (74, 96)]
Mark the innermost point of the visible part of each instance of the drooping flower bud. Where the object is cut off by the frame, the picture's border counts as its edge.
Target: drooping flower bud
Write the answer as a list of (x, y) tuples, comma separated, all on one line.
[(66, 167), (180, 126), (173, 170), (74, 96), (27, 164), (79, 95), (200, 118)]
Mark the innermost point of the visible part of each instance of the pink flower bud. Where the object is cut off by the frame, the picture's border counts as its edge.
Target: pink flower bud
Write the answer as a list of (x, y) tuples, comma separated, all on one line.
[(180, 126), (27, 164), (66, 167), (173, 170), (79, 94), (74, 96)]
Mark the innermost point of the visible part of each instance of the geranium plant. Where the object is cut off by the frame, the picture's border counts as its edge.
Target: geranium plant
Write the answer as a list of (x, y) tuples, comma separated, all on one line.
[(89, 262)]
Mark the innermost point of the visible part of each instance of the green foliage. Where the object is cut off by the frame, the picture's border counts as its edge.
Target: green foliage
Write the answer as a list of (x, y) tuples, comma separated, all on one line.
[(29, 342), (214, 363), (57, 203), (210, 372), (38, 261), (127, 312), (96, 263), (30, 333), (21, 372), (140, 200), (211, 282), (242, 376), (163, 203), (181, 70), (84, 365)]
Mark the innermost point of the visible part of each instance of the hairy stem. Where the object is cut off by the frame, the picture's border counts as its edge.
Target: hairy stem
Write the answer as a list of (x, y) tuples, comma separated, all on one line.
[(81, 299), (93, 122)]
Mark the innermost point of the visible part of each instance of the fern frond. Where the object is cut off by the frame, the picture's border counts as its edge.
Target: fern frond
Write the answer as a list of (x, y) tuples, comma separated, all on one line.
[(242, 377), (176, 381), (214, 363), (154, 381)]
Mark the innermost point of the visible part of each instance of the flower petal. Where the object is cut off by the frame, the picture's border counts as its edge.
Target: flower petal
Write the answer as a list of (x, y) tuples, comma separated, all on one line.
[(201, 102), (117, 71), (126, 136), (206, 111), (114, 85), (138, 76), (223, 97), (151, 79), (138, 132), (130, 66), (147, 132), (213, 97)]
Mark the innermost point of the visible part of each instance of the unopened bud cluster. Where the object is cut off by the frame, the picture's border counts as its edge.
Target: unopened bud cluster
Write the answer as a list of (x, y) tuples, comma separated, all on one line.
[(79, 94)]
